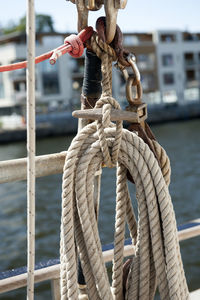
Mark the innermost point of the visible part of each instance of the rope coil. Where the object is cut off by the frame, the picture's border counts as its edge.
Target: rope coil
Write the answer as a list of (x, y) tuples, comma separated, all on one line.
[(157, 259), (157, 250)]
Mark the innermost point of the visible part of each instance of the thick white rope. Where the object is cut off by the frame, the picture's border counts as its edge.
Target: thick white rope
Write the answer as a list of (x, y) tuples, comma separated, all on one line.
[(157, 250), (157, 255), (30, 29)]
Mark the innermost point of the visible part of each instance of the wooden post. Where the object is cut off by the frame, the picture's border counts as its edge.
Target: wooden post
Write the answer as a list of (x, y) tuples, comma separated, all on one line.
[(30, 76), (55, 289)]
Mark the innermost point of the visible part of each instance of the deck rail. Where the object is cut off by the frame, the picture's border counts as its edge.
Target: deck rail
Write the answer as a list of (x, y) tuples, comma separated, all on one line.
[(50, 270), (15, 170)]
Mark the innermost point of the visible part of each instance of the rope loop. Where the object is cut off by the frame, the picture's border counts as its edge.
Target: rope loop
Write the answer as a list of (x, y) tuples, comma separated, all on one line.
[(110, 159), (77, 45)]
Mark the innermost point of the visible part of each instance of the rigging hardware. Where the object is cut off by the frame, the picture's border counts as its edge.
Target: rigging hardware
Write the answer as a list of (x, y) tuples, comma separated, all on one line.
[(111, 8)]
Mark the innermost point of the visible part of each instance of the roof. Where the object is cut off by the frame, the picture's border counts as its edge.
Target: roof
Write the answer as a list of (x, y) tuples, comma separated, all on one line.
[(20, 37)]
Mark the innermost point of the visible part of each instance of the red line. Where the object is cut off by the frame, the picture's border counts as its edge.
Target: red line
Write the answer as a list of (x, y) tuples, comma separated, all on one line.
[(84, 35)]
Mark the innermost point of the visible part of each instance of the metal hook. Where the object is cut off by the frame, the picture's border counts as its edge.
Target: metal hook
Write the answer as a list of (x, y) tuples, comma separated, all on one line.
[(111, 20), (111, 9), (132, 60)]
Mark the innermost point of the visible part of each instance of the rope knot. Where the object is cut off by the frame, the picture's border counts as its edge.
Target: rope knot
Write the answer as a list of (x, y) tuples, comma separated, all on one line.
[(77, 45), (110, 157)]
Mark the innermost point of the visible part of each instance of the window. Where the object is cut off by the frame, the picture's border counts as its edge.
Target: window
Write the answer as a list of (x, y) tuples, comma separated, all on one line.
[(19, 86), (167, 38), (187, 36), (142, 57), (167, 60), (190, 75), (77, 65), (168, 78), (189, 58), (130, 40), (148, 81), (50, 83), (50, 78), (146, 61)]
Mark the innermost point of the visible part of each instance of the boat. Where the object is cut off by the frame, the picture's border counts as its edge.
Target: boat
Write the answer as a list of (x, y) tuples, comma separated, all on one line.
[(106, 110)]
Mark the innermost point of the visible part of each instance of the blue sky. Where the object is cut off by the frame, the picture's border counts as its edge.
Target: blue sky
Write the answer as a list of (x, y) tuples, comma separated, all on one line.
[(142, 15)]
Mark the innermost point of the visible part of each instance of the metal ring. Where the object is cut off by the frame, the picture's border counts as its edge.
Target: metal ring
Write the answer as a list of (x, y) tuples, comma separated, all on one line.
[(132, 81)]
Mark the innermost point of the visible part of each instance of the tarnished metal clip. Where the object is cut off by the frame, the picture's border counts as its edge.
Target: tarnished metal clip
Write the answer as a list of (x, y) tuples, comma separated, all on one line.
[(140, 110)]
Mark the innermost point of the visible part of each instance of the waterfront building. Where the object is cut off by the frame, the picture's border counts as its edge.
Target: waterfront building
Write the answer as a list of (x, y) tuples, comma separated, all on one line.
[(53, 83), (169, 62), (144, 48), (178, 59)]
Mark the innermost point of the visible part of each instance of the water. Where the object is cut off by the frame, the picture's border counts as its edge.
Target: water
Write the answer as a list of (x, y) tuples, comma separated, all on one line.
[(182, 143)]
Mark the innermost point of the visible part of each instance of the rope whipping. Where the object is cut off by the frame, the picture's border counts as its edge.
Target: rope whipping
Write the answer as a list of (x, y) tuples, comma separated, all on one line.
[(157, 260)]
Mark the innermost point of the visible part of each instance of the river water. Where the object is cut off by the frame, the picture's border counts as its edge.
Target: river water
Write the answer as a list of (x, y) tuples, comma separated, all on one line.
[(182, 143)]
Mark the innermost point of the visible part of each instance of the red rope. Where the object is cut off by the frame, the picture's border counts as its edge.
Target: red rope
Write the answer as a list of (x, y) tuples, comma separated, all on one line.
[(73, 45)]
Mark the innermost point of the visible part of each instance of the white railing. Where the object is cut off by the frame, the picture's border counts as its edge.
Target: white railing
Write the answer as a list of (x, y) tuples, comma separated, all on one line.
[(15, 170), (52, 273)]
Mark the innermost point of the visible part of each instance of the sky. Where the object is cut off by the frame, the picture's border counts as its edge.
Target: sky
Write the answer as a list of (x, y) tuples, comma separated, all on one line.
[(138, 16)]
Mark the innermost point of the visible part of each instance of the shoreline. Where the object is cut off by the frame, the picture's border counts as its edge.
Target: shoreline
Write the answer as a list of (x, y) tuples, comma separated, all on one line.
[(62, 123)]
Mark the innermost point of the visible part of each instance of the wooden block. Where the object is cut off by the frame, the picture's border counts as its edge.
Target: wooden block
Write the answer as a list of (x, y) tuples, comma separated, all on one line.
[(116, 115)]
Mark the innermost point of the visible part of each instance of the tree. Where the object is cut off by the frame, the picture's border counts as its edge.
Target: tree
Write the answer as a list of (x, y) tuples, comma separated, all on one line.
[(43, 23)]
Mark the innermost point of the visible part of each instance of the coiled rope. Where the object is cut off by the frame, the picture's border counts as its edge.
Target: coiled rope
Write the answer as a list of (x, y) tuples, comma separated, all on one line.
[(157, 248), (157, 259)]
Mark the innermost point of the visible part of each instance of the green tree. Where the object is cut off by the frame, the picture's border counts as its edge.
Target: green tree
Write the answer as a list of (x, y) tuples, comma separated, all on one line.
[(43, 23)]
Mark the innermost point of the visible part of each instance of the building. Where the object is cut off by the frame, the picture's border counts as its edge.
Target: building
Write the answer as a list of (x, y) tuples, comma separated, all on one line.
[(169, 62), (55, 86), (178, 57), (143, 47)]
